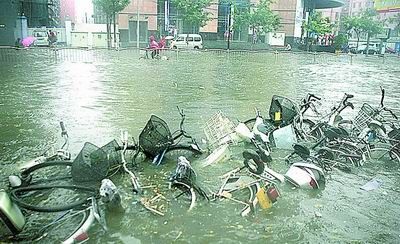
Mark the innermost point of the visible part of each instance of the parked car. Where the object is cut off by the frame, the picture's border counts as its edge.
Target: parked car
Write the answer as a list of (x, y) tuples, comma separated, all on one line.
[(42, 38), (390, 50), (373, 48), (188, 41)]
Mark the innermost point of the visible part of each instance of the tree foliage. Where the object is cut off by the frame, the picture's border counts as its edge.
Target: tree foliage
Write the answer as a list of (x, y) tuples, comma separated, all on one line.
[(259, 18), (339, 41), (366, 22), (110, 7), (370, 24), (318, 25), (352, 23), (193, 11), (396, 21)]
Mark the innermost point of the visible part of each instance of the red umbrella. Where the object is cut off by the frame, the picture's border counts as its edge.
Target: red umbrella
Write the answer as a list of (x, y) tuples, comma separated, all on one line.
[(27, 41)]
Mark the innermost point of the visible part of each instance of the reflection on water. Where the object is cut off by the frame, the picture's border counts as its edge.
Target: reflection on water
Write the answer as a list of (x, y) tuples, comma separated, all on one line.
[(97, 99)]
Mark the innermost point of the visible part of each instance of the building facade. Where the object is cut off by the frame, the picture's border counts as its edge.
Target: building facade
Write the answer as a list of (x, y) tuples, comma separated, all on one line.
[(67, 11), (146, 17), (40, 12), (8, 17)]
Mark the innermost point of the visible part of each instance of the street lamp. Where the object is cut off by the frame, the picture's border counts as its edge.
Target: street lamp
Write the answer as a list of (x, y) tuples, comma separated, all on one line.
[(137, 25)]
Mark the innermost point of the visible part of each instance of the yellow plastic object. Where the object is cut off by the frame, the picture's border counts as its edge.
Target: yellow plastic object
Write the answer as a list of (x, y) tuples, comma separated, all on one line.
[(278, 116), (263, 199)]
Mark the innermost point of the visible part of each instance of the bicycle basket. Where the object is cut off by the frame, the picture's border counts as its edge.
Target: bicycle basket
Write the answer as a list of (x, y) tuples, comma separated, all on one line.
[(364, 116), (282, 110), (218, 130), (394, 137), (155, 137), (113, 156), (90, 165)]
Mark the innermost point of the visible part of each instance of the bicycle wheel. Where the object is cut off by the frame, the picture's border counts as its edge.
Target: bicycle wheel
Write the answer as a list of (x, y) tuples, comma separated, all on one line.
[(347, 153), (188, 151), (382, 154), (253, 162), (184, 194), (311, 131), (16, 196), (250, 123)]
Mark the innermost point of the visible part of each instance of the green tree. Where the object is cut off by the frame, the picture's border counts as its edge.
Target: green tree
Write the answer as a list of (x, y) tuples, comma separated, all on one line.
[(110, 8), (339, 41), (193, 12), (370, 25), (353, 23), (396, 21), (366, 23), (259, 18), (318, 25)]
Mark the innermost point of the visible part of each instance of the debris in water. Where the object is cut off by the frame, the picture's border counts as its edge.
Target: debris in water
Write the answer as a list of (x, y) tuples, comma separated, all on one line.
[(372, 185), (318, 214)]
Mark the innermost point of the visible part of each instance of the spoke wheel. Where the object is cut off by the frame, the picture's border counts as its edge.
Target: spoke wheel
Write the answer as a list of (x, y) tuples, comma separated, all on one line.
[(382, 154)]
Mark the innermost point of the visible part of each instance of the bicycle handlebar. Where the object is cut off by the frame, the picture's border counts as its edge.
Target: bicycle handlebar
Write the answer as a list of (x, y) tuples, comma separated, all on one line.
[(310, 95), (63, 130), (391, 112), (129, 147), (382, 96), (183, 118)]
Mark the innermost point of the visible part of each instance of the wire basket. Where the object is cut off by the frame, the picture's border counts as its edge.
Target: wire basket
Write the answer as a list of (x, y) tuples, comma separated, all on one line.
[(155, 137), (218, 130), (364, 116), (113, 156), (90, 165)]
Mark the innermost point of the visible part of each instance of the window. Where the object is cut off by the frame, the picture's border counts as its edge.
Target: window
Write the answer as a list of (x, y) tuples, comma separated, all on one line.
[(189, 39), (180, 39), (197, 39)]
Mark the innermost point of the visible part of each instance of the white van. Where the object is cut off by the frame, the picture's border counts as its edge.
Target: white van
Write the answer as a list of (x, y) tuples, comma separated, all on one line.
[(188, 41), (41, 38)]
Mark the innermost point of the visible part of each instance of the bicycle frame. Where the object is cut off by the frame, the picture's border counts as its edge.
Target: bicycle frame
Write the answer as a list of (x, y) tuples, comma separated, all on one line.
[(60, 154)]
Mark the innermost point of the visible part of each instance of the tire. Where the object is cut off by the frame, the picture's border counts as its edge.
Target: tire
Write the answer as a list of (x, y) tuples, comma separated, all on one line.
[(383, 154), (28, 171), (344, 151), (311, 131), (175, 151), (188, 148), (182, 190), (196, 47), (253, 162), (22, 204), (250, 123), (175, 47)]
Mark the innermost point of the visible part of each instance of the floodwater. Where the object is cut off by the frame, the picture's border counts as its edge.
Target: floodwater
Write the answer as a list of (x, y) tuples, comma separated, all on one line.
[(98, 93)]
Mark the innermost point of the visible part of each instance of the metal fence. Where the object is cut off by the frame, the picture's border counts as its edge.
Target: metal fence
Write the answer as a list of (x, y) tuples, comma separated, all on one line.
[(55, 55)]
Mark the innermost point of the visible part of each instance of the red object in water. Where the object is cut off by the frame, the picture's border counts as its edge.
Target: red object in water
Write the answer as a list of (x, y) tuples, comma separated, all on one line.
[(82, 237), (273, 193), (313, 183)]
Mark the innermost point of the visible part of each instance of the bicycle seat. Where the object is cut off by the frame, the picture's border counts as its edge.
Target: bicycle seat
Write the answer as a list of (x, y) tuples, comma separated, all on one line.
[(301, 150)]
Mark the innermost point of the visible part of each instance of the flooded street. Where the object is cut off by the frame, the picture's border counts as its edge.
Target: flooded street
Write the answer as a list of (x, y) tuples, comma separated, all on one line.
[(115, 90)]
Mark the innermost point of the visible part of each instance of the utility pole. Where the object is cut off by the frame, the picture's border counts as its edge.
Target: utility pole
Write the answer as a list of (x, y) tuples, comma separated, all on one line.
[(137, 25), (229, 25)]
